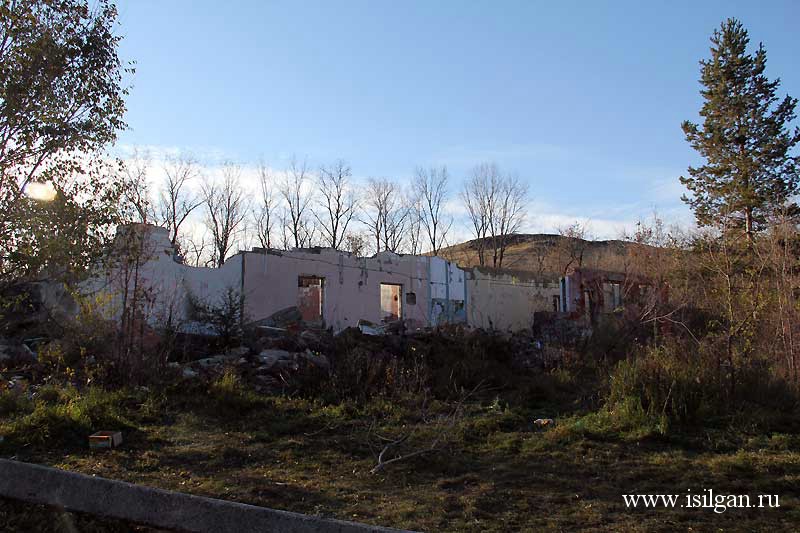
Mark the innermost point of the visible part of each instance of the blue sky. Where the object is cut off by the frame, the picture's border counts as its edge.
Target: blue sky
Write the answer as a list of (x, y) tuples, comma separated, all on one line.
[(583, 100)]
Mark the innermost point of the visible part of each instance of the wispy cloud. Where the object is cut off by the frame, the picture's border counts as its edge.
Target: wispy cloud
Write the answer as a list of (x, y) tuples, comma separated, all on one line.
[(606, 221)]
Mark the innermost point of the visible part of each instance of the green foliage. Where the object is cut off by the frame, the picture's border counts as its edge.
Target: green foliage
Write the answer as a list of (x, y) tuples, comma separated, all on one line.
[(224, 316), (662, 386), (230, 395), (66, 416), (745, 138), (61, 103), (671, 387), (12, 403)]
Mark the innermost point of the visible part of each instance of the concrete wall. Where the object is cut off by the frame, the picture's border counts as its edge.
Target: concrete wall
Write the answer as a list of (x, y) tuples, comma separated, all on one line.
[(269, 280), (352, 286), (166, 284), (351, 290), (448, 292), (174, 511), (507, 301)]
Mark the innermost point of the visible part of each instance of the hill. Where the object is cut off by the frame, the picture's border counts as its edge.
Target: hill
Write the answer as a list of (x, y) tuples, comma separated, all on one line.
[(545, 255)]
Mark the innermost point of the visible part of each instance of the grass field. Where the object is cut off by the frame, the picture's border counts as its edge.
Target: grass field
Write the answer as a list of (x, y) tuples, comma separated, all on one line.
[(492, 469)]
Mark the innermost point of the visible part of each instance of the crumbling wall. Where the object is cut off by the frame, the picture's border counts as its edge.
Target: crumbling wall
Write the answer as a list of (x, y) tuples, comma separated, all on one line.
[(448, 292), (166, 287), (351, 286), (336, 287), (507, 301)]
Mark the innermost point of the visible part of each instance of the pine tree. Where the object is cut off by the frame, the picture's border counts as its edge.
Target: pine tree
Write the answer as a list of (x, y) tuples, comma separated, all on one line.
[(745, 138)]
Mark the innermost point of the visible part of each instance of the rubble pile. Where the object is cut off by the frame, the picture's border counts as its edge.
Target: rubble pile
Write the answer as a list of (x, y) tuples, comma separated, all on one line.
[(282, 354)]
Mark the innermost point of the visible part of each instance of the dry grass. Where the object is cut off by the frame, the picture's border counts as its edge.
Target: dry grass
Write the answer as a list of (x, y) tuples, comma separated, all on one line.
[(497, 473)]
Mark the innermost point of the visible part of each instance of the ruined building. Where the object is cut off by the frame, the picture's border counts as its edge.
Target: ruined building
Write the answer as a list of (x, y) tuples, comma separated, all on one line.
[(336, 289)]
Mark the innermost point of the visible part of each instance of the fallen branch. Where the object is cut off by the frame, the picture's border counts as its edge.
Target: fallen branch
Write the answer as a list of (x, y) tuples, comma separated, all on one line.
[(382, 464), (446, 425)]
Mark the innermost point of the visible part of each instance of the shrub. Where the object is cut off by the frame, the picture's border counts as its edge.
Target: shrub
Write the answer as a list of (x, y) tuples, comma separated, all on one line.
[(230, 395), (12, 403), (68, 417), (676, 384), (225, 316), (662, 386)]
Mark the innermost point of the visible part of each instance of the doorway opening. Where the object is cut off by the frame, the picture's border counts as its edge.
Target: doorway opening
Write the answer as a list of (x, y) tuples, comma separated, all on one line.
[(310, 296), (391, 304)]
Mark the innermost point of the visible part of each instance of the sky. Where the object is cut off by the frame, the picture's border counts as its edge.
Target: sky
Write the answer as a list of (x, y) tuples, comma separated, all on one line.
[(582, 100)]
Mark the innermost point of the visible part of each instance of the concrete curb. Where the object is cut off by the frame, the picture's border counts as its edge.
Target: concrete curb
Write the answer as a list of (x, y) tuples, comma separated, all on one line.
[(155, 507)]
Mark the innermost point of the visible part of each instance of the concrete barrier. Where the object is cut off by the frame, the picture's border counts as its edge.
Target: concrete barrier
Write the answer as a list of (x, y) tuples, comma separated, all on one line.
[(155, 507)]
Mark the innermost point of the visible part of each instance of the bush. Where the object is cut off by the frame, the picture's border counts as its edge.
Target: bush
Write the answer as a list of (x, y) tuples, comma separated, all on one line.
[(682, 385), (68, 417), (663, 387), (230, 395), (225, 316), (12, 403)]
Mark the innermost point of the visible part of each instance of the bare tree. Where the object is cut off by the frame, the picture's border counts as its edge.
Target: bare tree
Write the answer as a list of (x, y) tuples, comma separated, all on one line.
[(355, 243), (414, 225), (296, 200), (226, 209), (197, 251), (507, 215), (337, 203), (308, 233), (572, 246), (431, 187), (385, 214), (137, 190), (264, 213), (479, 196), (176, 202), (495, 205)]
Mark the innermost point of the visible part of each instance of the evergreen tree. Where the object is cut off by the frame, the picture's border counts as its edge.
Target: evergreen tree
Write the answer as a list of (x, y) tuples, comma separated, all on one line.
[(745, 138)]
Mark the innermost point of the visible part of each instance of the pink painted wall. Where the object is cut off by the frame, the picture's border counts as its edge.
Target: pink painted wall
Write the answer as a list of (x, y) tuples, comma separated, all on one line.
[(351, 289)]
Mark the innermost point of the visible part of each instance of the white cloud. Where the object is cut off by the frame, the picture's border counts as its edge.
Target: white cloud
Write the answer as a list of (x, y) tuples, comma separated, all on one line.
[(602, 222)]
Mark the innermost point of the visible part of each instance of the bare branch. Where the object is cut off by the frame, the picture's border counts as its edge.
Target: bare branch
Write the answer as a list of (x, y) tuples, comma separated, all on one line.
[(430, 185), (176, 202), (226, 209), (337, 203)]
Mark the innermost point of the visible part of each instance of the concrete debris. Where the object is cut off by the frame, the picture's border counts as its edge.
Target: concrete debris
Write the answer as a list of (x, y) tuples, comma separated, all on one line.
[(11, 352), (210, 361), (284, 318), (270, 358), (239, 351), (317, 360), (368, 328), (271, 331), (394, 327)]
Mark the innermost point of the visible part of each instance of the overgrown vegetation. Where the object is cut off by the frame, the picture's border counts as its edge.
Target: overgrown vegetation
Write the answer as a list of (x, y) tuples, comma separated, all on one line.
[(692, 381)]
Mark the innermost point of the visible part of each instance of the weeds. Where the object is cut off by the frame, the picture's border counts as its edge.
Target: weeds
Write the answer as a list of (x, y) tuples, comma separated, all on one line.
[(65, 417)]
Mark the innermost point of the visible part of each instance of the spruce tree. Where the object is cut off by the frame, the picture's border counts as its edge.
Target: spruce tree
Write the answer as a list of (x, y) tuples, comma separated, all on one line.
[(745, 139)]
